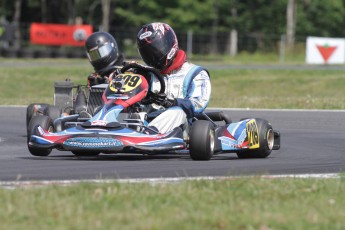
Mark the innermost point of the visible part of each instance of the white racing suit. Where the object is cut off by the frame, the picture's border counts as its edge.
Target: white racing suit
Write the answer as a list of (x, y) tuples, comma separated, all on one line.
[(191, 87)]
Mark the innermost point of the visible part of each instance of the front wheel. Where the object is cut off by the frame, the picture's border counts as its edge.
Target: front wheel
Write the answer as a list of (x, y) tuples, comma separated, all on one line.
[(266, 141), (47, 124), (201, 143)]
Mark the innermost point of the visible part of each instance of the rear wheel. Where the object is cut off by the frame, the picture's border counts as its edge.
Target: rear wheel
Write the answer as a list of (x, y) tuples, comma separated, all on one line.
[(53, 112), (266, 141), (47, 124), (201, 143), (32, 110)]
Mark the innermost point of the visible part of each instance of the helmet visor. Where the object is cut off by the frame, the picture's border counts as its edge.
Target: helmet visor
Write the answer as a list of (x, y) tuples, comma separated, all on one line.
[(97, 53), (153, 56)]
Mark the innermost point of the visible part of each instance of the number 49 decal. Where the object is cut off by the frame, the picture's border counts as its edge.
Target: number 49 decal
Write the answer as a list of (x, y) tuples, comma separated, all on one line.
[(253, 134)]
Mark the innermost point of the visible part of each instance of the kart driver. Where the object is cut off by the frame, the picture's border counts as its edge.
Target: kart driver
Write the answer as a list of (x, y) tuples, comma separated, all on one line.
[(188, 86), (103, 54)]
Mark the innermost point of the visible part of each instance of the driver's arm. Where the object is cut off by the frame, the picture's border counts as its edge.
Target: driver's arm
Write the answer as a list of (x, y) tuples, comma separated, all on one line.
[(198, 95)]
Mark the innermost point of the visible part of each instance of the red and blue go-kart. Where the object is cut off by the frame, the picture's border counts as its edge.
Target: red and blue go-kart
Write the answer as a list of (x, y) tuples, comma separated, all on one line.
[(103, 133)]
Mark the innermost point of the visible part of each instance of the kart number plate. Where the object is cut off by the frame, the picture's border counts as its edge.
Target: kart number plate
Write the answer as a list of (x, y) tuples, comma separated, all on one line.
[(131, 81), (253, 134)]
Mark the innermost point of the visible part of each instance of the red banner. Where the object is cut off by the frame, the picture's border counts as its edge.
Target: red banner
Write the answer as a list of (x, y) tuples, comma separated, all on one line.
[(59, 34)]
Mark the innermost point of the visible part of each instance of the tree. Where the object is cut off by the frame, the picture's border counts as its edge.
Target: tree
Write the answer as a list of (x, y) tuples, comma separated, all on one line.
[(290, 23), (318, 18), (16, 22), (106, 15)]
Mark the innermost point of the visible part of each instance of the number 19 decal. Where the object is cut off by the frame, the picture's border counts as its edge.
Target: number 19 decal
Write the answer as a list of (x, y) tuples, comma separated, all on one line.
[(253, 134)]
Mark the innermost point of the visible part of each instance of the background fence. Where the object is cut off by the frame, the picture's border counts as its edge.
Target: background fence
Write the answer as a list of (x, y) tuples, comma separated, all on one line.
[(193, 42)]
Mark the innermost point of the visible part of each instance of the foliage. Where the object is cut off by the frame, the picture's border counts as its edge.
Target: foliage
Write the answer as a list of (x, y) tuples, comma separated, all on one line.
[(315, 17), (318, 18)]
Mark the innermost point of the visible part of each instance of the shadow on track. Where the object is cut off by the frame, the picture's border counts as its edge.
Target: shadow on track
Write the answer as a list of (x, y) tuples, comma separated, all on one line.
[(129, 157)]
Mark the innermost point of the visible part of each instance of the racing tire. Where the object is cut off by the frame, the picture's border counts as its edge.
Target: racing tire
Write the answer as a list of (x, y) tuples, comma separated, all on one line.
[(31, 111), (52, 111), (47, 124), (201, 142), (85, 154), (266, 141)]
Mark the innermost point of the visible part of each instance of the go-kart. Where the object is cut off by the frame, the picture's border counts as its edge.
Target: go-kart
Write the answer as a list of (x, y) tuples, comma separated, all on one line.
[(104, 133), (69, 99)]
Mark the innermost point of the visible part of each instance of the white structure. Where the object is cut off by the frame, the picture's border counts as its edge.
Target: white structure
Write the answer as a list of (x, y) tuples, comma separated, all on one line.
[(325, 50)]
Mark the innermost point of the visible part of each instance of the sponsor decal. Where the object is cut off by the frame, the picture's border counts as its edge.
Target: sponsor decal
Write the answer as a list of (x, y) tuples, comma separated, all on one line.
[(145, 35), (158, 26), (93, 142), (171, 53), (59, 34), (227, 143), (253, 134), (99, 123), (79, 35), (325, 50)]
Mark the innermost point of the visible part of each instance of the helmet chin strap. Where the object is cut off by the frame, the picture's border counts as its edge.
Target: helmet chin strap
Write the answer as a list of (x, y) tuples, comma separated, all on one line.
[(179, 59)]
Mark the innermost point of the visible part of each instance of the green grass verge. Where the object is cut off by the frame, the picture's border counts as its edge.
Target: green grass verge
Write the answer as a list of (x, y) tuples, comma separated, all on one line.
[(246, 203), (28, 81), (283, 88)]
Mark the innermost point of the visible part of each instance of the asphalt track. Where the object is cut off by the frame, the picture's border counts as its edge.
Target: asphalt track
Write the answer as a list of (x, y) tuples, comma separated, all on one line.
[(311, 142)]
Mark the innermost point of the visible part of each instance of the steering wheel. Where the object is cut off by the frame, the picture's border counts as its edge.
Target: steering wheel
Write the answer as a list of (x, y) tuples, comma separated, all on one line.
[(144, 71)]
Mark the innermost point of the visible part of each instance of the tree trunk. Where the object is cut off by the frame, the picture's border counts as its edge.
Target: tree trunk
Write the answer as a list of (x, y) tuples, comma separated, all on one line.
[(214, 43), (233, 42), (233, 33), (106, 14), (16, 22), (290, 23)]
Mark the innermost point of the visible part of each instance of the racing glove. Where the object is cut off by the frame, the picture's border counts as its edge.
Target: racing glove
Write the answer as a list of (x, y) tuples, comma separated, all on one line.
[(95, 79), (160, 99), (163, 100)]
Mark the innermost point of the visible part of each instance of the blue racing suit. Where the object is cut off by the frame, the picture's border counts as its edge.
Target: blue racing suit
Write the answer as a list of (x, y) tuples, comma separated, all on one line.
[(191, 87)]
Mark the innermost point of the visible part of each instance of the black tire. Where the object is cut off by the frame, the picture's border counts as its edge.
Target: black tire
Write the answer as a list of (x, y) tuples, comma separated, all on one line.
[(85, 154), (53, 112), (201, 142), (31, 111), (46, 123), (266, 141)]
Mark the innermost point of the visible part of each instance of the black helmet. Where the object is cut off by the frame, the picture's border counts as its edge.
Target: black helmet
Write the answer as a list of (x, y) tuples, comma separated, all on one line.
[(101, 49), (157, 45)]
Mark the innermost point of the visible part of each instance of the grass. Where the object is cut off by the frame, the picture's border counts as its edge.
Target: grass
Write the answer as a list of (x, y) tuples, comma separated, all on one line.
[(283, 88), (245, 203), (29, 81)]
